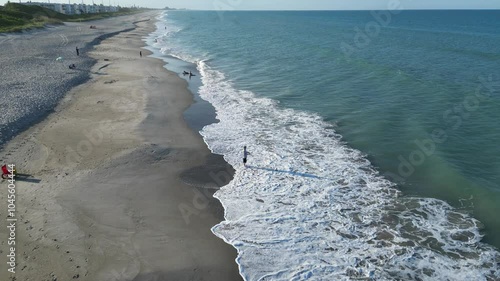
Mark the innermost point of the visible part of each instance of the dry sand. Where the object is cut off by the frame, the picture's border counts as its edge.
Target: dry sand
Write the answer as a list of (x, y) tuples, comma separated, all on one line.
[(110, 203)]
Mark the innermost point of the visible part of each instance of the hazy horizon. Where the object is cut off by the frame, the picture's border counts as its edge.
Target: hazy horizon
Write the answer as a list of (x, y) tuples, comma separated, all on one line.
[(290, 5)]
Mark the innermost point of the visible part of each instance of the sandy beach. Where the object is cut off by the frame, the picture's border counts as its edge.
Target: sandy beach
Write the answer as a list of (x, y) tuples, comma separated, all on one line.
[(119, 181)]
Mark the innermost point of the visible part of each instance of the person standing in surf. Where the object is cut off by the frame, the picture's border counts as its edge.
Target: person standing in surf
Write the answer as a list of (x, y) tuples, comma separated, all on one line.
[(245, 155)]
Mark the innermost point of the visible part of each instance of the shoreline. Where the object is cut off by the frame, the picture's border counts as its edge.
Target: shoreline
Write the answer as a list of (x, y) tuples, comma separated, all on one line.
[(113, 210)]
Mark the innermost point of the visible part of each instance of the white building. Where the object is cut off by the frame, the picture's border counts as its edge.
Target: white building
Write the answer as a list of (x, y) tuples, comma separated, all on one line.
[(75, 9), (51, 6), (66, 9)]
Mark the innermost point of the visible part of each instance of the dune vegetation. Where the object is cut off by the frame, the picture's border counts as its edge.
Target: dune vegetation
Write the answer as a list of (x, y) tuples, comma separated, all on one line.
[(17, 17)]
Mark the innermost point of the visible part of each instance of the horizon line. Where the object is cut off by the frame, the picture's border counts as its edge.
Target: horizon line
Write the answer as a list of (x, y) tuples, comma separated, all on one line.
[(337, 10)]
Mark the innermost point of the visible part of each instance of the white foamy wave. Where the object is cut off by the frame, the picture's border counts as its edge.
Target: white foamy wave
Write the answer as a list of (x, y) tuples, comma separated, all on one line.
[(308, 207), (164, 27), (161, 39)]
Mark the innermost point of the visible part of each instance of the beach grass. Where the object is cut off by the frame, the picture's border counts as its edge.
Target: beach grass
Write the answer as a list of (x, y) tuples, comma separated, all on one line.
[(16, 17)]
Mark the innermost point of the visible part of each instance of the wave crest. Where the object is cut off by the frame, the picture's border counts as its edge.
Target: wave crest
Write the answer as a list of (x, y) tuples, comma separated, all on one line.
[(309, 207)]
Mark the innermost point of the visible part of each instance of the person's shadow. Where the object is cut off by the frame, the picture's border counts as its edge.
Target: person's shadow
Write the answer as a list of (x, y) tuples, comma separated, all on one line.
[(27, 178), (291, 172)]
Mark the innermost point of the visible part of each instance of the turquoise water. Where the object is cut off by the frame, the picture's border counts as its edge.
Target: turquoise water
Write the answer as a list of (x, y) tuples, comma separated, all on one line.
[(417, 94)]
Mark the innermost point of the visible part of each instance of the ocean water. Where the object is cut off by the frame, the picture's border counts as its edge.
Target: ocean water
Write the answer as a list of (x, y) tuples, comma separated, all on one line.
[(373, 139)]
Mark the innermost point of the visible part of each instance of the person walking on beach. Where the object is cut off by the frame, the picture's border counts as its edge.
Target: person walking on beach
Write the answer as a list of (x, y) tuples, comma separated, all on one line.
[(140, 53), (77, 51), (245, 155)]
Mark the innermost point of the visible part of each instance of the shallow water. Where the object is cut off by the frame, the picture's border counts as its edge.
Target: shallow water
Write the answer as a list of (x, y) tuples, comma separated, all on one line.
[(349, 147)]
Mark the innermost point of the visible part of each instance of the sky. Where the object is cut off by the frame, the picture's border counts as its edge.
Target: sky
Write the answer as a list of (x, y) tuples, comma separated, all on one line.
[(296, 4)]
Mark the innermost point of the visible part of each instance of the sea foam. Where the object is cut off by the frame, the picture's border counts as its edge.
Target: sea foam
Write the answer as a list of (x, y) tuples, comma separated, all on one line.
[(308, 207)]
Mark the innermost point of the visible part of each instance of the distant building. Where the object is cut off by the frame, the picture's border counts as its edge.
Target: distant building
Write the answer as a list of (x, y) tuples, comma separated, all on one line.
[(75, 9)]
